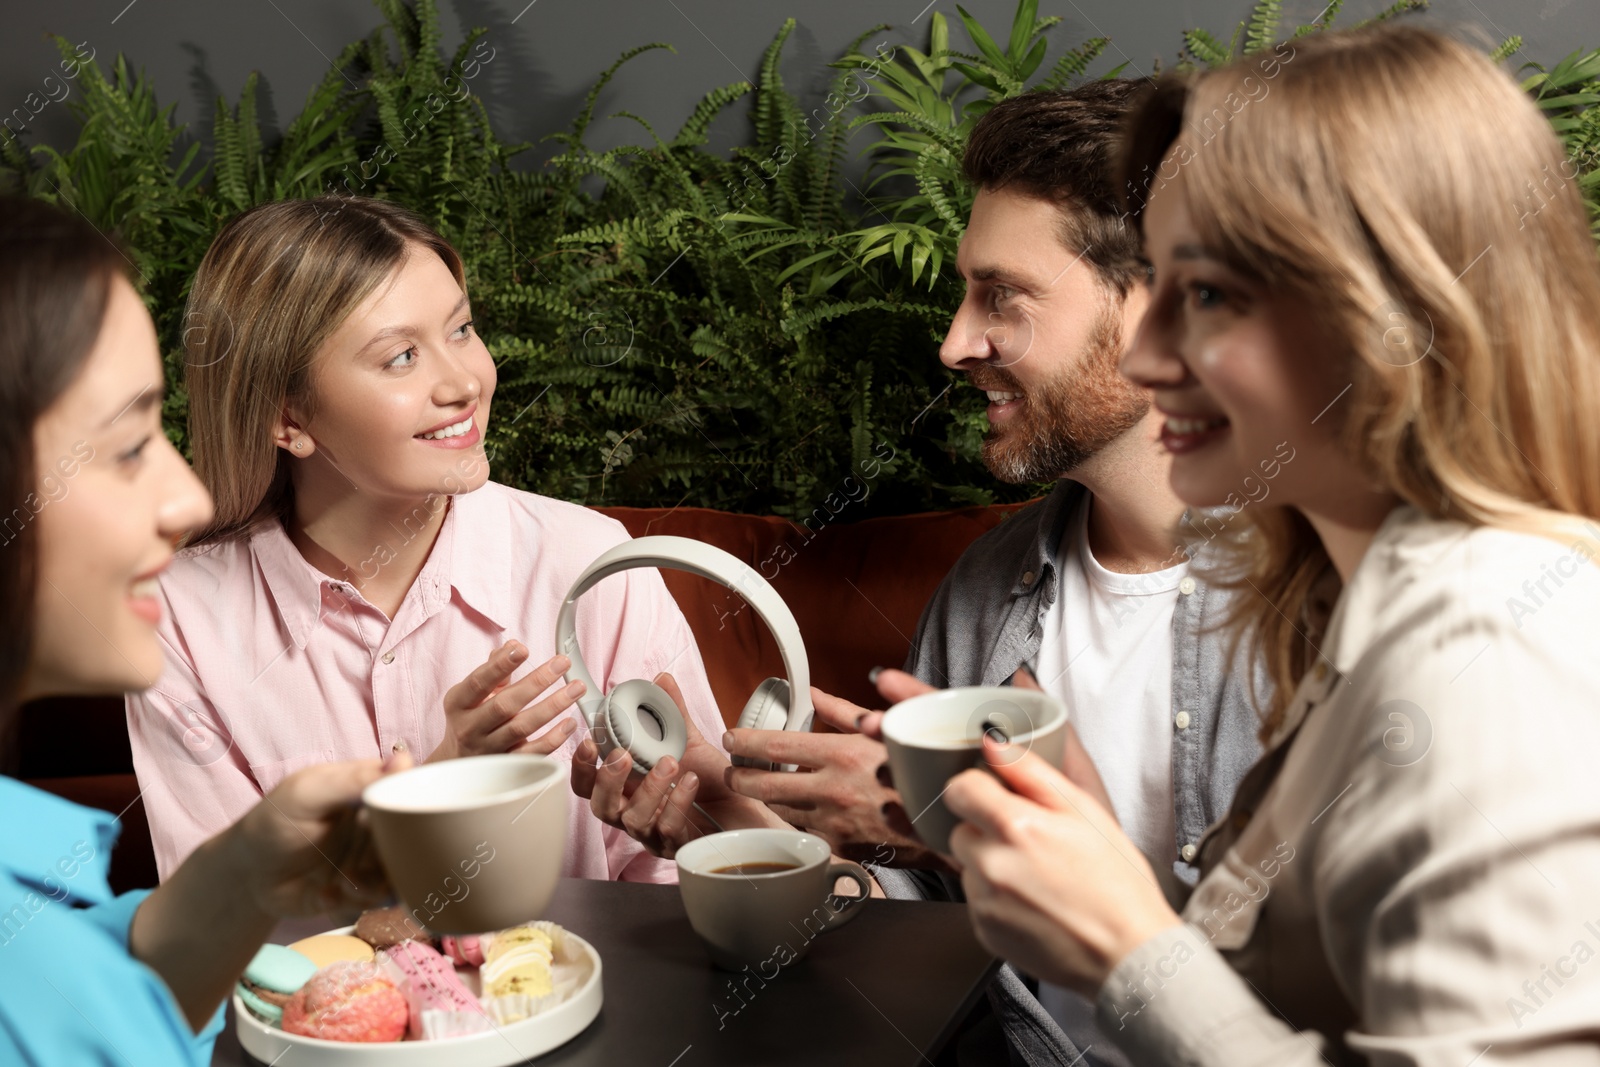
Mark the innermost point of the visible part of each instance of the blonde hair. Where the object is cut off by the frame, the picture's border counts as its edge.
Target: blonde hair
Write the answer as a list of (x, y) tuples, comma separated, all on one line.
[(1396, 180), (276, 283)]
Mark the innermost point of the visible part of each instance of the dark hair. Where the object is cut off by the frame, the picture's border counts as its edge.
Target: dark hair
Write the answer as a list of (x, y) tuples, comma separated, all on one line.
[(1061, 145), (56, 272)]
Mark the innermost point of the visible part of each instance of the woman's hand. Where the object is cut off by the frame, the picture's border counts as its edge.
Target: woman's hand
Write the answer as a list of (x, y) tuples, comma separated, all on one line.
[(657, 809), (483, 714), (305, 849), (1052, 883), (896, 686)]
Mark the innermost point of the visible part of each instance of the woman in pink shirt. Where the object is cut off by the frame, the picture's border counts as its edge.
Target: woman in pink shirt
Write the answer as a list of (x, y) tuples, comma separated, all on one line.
[(363, 587)]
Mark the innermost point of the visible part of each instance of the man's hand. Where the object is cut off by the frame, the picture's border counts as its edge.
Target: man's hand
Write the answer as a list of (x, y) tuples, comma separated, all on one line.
[(846, 799), (657, 809), (483, 714)]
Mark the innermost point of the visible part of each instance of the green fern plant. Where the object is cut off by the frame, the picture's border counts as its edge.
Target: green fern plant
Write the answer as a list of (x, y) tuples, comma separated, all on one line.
[(934, 99), (745, 332), (1262, 29), (1568, 93), (692, 318)]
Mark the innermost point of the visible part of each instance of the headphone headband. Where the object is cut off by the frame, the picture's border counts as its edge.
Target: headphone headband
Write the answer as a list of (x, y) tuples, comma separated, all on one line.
[(707, 561)]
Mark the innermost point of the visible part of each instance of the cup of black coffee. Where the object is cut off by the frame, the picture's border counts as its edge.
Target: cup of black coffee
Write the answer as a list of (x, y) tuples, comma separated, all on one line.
[(760, 897)]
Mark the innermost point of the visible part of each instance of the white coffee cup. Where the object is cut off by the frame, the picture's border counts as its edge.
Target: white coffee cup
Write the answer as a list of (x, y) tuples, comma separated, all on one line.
[(935, 736), (751, 919), (472, 844)]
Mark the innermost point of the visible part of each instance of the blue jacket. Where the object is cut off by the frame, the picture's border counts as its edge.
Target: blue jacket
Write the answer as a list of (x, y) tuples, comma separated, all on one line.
[(69, 991)]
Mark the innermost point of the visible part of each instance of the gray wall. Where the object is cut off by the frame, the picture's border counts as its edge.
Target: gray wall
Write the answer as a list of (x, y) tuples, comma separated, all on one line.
[(548, 52)]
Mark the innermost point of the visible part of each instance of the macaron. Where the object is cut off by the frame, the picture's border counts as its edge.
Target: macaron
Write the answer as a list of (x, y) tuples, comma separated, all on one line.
[(384, 927), (324, 949), (348, 1001), (272, 978)]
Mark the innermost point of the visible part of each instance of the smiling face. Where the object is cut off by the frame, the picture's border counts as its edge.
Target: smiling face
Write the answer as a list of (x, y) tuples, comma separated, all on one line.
[(1244, 374), (1041, 333), (111, 497), (402, 391)]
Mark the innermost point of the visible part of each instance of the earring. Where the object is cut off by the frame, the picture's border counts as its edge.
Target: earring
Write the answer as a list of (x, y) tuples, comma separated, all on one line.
[(298, 445)]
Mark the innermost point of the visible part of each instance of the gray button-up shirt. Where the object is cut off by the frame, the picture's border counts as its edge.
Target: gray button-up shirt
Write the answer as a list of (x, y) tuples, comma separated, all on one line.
[(987, 619)]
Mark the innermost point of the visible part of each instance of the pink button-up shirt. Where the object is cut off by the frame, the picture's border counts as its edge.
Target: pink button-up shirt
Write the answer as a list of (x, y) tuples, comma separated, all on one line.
[(273, 665)]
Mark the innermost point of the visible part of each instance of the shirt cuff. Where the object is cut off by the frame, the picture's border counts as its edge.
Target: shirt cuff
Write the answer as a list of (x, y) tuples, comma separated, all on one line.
[(1174, 999), (903, 884)]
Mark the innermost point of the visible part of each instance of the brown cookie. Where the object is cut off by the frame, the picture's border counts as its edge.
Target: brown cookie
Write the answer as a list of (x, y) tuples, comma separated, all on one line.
[(385, 927)]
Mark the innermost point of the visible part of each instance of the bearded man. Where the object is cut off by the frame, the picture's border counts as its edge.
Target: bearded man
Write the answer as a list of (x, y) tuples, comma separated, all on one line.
[(1094, 589)]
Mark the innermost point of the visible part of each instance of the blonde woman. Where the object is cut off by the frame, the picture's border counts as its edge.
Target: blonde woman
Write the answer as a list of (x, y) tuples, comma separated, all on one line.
[(1346, 257), (363, 586)]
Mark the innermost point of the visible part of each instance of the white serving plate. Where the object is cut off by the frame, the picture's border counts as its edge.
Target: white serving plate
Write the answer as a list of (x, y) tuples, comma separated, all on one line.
[(502, 1046)]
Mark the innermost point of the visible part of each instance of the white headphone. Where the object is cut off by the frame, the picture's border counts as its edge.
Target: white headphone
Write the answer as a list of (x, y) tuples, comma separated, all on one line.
[(638, 716)]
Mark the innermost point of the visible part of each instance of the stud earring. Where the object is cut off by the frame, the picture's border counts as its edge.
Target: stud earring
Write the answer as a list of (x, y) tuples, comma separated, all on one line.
[(298, 445)]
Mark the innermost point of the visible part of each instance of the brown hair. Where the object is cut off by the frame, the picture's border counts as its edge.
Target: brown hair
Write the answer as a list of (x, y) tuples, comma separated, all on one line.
[(1060, 145), (274, 285), (56, 273), (1391, 178)]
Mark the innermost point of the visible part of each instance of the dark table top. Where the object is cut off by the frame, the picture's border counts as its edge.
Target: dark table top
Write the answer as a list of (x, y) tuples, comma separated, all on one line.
[(888, 988)]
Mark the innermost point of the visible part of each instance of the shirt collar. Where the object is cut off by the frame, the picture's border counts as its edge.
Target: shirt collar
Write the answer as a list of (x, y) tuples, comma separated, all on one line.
[(295, 585), (1407, 542), (60, 849), (470, 556), (1404, 547), (1042, 560)]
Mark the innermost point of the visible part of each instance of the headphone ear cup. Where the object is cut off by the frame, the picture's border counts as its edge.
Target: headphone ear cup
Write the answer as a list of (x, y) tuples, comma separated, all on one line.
[(767, 709), (634, 713)]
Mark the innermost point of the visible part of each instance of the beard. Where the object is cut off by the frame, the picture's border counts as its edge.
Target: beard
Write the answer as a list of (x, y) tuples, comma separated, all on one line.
[(1067, 419)]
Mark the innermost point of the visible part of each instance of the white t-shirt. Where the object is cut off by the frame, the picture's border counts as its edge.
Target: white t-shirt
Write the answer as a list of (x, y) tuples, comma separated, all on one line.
[(1107, 654)]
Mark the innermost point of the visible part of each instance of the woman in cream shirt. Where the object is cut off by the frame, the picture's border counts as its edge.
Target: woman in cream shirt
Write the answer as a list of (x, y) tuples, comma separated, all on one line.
[(1346, 256)]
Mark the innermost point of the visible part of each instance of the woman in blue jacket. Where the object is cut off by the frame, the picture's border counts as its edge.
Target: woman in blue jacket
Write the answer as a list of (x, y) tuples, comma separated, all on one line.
[(92, 501)]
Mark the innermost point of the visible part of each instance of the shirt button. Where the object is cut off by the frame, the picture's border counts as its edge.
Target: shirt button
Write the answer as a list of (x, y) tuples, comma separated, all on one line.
[(1186, 586), (1188, 853), (388, 657), (1027, 577), (1181, 720)]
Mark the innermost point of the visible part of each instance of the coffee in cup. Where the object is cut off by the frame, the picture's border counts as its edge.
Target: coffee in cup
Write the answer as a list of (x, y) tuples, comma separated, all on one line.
[(762, 896), (935, 736), (472, 844)]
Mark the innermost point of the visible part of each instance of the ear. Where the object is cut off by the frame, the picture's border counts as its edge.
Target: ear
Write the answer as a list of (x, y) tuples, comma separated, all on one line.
[(289, 435)]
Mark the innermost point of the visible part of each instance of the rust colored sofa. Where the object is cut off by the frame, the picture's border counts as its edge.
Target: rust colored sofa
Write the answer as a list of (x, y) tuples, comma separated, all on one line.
[(856, 589)]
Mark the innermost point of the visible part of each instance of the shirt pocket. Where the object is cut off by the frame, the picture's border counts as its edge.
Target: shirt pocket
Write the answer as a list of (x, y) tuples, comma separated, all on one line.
[(269, 775)]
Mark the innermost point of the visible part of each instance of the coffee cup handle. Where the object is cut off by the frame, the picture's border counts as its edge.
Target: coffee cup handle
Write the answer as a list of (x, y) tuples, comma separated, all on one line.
[(846, 908)]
